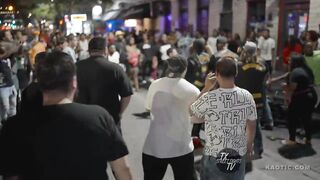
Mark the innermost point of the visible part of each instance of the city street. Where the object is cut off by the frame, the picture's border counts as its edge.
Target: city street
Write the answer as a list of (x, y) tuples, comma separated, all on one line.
[(135, 131)]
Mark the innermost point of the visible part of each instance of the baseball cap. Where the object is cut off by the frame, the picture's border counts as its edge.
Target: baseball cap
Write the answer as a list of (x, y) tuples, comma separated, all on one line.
[(250, 47), (222, 39), (176, 66)]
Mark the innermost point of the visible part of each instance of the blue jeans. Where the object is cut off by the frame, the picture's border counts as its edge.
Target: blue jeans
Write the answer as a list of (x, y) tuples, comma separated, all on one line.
[(8, 102), (210, 170)]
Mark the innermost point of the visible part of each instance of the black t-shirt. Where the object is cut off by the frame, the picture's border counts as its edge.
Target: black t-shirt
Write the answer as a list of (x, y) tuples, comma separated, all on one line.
[(31, 99), (301, 78), (251, 76), (101, 82), (66, 142), (148, 50), (5, 75)]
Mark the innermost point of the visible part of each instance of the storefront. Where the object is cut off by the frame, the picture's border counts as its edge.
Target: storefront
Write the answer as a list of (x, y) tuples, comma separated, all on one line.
[(203, 16), (293, 19), (183, 15), (256, 15)]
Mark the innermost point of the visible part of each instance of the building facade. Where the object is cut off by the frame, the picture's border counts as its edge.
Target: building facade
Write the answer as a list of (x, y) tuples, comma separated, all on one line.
[(281, 17)]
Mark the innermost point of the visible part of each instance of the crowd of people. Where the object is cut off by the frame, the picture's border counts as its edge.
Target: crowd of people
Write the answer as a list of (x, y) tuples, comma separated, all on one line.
[(62, 100)]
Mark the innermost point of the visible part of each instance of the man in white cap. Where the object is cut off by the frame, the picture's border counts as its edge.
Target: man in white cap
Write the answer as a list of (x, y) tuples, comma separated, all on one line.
[(252, 75)]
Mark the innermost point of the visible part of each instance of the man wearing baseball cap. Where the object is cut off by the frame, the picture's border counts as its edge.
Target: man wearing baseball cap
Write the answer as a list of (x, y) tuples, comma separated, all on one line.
[(252, 75), (169, 138)]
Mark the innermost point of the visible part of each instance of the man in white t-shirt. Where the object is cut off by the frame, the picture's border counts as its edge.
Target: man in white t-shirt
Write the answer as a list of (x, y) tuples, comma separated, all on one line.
[(69, 47), (113, 55), (229, 114), (212, 41), (84, 47), (169, 138), (266, 50)]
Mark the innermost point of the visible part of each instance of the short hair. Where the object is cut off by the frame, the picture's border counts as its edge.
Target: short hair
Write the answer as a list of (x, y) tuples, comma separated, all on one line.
[(56, 72), (266, 30), (227, 67), (40, 57), (97, 44), (70, 38), (170, 50), (61, 41)]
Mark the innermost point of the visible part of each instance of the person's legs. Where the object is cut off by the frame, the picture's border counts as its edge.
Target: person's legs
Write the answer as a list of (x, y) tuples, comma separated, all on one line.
[(183, 167), (153, 168), (136, 78), (267, 113), (292, 119), (258, 145)]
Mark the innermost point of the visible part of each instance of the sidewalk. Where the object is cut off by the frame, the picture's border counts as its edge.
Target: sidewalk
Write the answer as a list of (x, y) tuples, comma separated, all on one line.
[(272, 157)]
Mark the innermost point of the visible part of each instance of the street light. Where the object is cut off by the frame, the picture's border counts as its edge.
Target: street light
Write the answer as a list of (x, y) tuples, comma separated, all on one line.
[(10, 8), (96, 11)]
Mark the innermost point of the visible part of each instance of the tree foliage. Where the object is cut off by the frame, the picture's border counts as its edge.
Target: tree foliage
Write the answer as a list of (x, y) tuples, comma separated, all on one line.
[(50, 8)]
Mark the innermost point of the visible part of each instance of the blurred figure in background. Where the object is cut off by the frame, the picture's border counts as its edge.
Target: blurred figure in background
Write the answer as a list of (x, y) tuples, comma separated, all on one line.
[(134, 62), (83, 47), (292, 46)]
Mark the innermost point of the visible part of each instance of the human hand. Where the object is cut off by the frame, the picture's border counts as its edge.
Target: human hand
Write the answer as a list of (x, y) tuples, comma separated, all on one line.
[(210, 82)]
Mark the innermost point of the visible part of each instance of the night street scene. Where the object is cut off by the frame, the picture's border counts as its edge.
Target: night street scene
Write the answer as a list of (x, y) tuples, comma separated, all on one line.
[(159, 90)]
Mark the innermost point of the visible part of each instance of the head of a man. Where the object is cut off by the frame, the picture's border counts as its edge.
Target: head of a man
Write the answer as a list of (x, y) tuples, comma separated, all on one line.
[(226, 69), (308, 49), (98, 46), (83, 37), (221, 43), (72, 41), (171, 52), (248, 54), (266, 33), (177, 67), (57, 75), (112, 49)]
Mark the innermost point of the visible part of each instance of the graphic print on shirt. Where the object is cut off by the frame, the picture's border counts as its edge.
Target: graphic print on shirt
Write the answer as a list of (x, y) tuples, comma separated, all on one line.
[(225, 114)]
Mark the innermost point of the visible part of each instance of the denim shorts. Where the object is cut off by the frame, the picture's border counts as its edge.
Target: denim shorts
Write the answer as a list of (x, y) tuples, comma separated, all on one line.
[(210, 170)]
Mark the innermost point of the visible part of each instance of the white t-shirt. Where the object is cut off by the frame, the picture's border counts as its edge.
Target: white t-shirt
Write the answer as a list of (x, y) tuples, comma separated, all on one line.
[(163, 51), (84, 53), (71, 52), (212, 43), (266, 46), (226, 112), (170, 129), (115, 57)]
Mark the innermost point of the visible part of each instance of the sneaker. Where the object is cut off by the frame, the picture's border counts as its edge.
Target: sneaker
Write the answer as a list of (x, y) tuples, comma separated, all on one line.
[(288, 142)]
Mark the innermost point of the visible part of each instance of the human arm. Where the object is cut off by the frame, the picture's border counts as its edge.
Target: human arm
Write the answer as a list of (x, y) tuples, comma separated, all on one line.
[(121, 168), (250, 133), (198, 107), (124, 104)]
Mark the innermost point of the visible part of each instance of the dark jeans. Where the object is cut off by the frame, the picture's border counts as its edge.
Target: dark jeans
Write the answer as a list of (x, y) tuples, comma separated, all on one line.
[(146, 68), (155, 168), (300, 110), (268, 65)]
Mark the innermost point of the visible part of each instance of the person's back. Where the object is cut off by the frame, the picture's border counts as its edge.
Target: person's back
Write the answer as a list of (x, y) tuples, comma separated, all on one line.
[(75, 141), (100, 82), (65, 140), (169, 99), (169, 138), (252, 76)]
